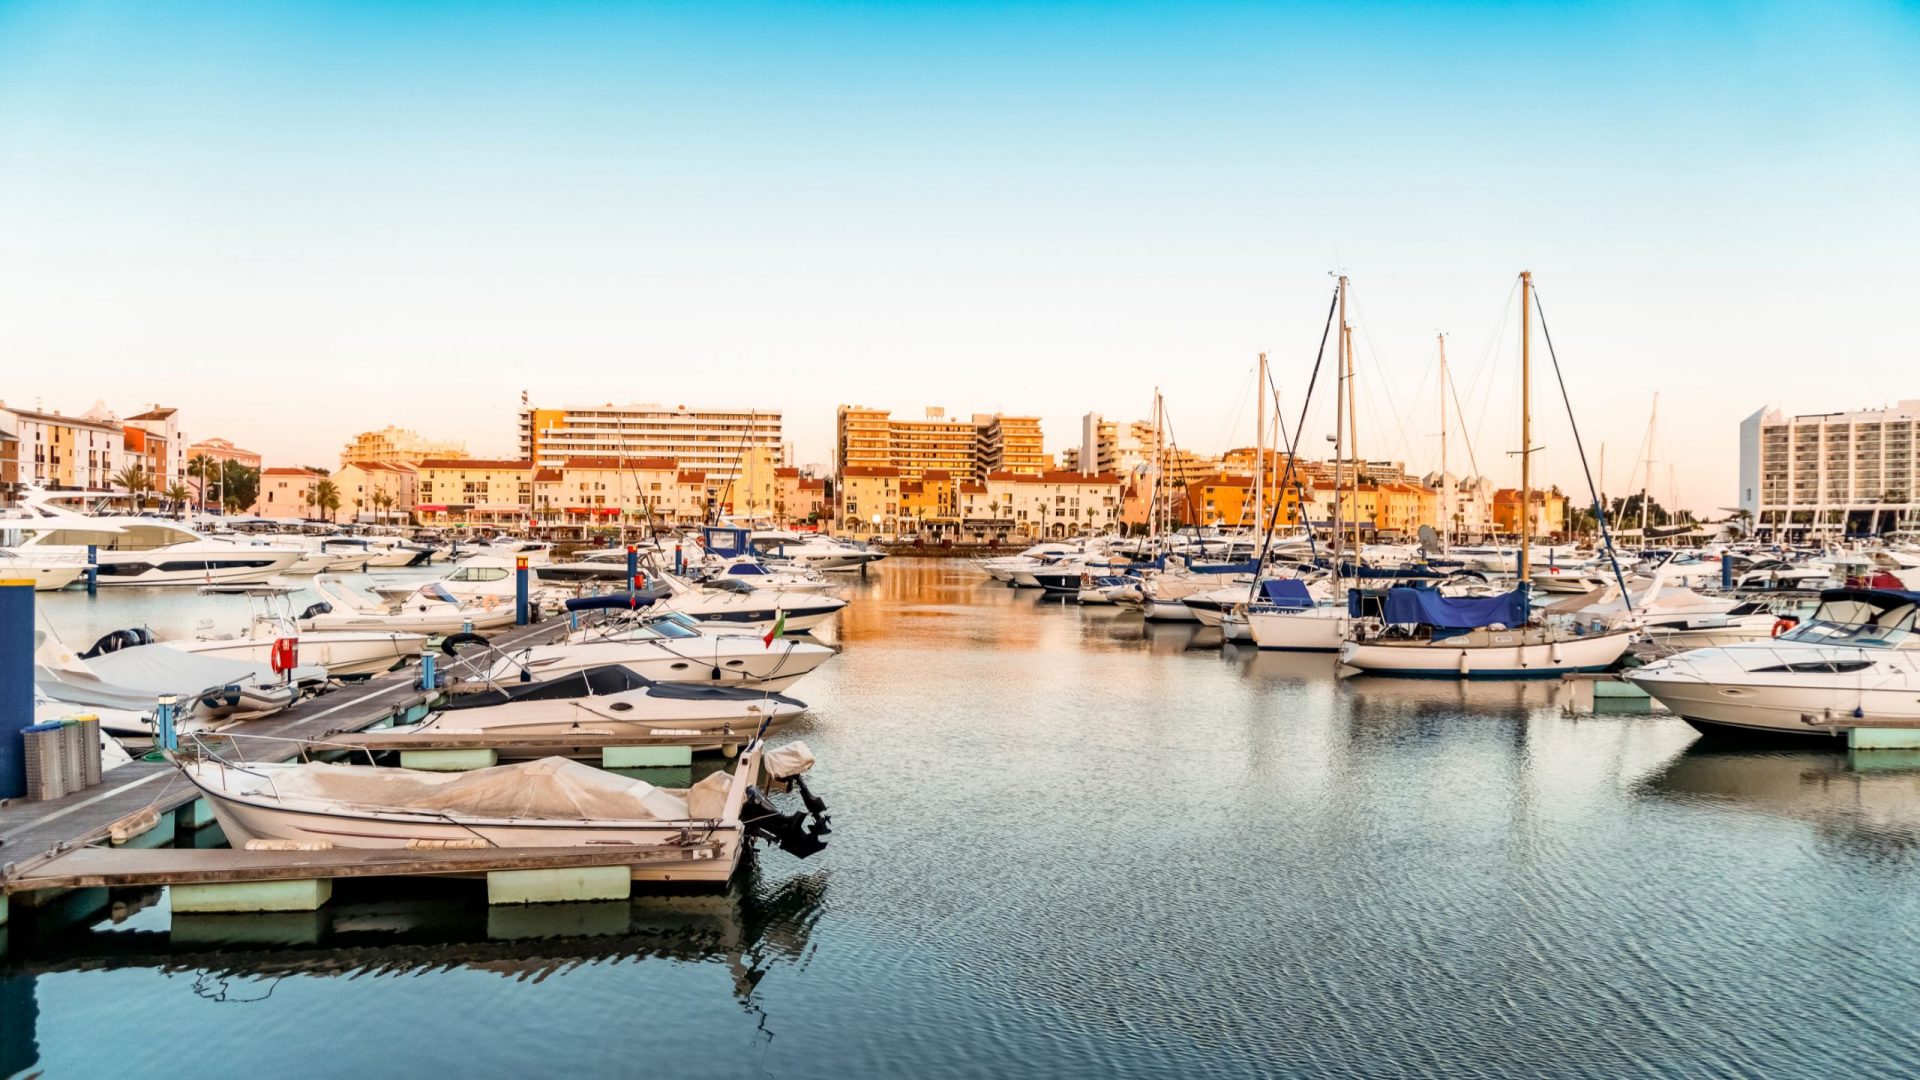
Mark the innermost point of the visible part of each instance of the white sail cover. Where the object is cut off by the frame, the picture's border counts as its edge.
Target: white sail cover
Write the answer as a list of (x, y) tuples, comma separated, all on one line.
[(548, 789)]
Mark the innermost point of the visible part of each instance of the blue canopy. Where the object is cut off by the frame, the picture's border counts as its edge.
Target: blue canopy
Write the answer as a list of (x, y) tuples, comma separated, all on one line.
[(1251, 566), (1290, 593), (1426, 607), (609, 601)]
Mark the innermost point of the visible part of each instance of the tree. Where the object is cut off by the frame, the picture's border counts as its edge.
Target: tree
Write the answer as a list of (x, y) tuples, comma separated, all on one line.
[(207, 471), (136, 481), (382, 502), (239, 486), (179, 497)]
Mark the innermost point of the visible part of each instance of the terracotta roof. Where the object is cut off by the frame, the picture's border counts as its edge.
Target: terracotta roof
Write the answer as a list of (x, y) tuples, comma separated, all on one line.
[(813, 483), (546, 476), (606, 462), (786, 472), (967, 487), (692, 476), (912, 487), (286, 471), (870, 470), (474, 463), (1057, 476), (1227, 480)]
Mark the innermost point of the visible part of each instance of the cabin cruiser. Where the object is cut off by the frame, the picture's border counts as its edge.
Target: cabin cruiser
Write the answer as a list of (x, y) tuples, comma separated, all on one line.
[(1421, 632), (609, 700), (46, 572), (757, 575), (480, 578), (666, 648), (345, 653), (1856, 659), (429, 609), (737, 603), (133, 550), (1006, 567), (812, 551), (548, 803)]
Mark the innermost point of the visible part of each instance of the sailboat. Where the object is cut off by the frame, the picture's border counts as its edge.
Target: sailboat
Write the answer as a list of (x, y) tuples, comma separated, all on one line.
[(1414, 631)]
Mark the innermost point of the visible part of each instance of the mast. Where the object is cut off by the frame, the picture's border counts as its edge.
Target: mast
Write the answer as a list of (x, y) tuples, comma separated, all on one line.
[(1339, 441), (1526, 428), (1260, 445), (1446, 486), (1646, 481)]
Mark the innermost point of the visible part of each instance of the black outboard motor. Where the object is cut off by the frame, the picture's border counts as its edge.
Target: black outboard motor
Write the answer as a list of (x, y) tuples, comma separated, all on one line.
[(320, 608), (117, 640), (788, 832)]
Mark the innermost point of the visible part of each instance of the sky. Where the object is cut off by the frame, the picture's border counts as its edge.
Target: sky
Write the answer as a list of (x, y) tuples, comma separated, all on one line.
[(299, 221)]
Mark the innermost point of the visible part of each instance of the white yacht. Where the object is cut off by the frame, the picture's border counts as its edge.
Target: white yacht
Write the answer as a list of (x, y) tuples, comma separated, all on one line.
[(345, 653), (666, 649), (813, 551), (47, 572), (1856, 660), (738, 604), (133, 550)]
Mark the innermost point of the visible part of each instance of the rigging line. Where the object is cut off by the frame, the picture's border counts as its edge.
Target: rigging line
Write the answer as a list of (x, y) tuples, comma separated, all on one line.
[(1464, 436), (1393, 405), (1293, 455), (1600, 512), (1485, 365)]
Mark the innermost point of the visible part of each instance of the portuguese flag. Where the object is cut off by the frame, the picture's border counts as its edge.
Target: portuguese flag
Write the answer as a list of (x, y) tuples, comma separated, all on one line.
[(779, 628)]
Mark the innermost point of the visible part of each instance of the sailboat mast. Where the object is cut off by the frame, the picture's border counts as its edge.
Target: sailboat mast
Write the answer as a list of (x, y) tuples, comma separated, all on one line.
[(1446, 485), (1260, 448), (1646, 482), (1339, 440), (1526, 428)]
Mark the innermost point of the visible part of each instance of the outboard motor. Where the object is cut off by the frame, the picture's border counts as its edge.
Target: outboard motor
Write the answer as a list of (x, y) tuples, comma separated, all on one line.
[(117, 640), (787, 831), (321, 608)]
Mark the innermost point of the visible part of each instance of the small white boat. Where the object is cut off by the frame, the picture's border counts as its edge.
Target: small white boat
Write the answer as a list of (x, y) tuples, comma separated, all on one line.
[(344, 653), (429, 609), (667, 649), (548, 803), (611, 700), (47, 572), (749, 608), (1289, 618), (126, 671)]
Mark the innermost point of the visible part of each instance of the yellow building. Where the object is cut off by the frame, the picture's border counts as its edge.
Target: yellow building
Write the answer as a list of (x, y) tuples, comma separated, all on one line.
[(475, 491), (755, 487), (288, 493), (1053, 504), (64, 451), (592, 491), (377, 491), (1008, 444), (397, 446), (867, 499), (706, 441), (799, 499), (867, 438)]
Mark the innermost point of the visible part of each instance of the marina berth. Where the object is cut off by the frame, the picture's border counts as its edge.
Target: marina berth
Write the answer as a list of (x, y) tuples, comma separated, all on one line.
[(736, 603), (127, 672)]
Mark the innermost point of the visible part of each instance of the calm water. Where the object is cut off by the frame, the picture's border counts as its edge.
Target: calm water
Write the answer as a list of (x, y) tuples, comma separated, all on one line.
[(1071, 845)]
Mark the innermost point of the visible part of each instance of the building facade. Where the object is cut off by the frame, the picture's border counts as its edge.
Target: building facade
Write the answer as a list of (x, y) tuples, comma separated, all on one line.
[(377, 491), (398, 446), (867, 438), (709, 441), (288, 493), (474, 491), (72, 452), (1831, 473)]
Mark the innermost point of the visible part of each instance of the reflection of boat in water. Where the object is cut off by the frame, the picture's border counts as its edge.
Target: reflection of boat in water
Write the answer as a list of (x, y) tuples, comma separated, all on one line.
[(417, 927), (1869, 798)]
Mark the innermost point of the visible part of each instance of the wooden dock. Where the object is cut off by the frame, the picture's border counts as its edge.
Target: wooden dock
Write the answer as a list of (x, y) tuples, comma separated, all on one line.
[(32, 833)]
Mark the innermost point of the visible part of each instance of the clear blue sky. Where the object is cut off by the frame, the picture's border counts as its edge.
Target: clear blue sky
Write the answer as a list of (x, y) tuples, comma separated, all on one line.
[(300, 220)]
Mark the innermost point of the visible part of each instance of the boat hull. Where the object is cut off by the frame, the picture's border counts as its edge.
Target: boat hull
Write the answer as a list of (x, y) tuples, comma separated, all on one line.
[(1298, 631), (1492, 655), (345, 654)]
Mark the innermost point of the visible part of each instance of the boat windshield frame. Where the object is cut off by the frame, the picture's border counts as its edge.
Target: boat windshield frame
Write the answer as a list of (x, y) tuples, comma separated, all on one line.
[(1858, 635)]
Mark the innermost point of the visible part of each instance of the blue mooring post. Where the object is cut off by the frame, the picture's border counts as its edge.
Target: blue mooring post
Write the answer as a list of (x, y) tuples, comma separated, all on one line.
[(16, 683), (679, 560), (520, 590), (633, 563), (427, 678), (164, 731), (1726, 571), (93, 570)]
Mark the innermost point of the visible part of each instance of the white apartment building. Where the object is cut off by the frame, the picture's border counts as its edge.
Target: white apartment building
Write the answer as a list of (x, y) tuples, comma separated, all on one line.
[(1851, 472), (703, 440)]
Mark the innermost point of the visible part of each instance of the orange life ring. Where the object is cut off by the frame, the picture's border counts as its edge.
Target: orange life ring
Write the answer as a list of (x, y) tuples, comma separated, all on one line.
[(1783, 624), (285, 656)]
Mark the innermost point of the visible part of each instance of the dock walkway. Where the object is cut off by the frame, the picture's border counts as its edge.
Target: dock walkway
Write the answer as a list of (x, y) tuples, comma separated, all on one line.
[(31, 833)]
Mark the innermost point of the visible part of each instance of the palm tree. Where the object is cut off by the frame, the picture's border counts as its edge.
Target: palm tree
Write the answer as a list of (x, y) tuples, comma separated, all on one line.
[(326, 495), (382, 502), (179, 496), (204, 469), (136, 481)]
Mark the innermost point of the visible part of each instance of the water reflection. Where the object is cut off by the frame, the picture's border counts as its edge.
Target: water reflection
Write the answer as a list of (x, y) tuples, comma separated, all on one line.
[(1869, 799)]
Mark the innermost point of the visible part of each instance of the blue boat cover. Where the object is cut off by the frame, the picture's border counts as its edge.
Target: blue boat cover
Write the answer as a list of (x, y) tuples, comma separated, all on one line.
[(1427, 607), (1288, 593), (609, 601), (1251, 566)]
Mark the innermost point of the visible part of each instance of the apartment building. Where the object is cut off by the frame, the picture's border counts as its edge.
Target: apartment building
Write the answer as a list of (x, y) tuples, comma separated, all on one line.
[(867, 438), (74, 452), (287, 493), (377, 491), (397, 446), (1007, 444), (474, 491), (1811, 473), (709, 441)]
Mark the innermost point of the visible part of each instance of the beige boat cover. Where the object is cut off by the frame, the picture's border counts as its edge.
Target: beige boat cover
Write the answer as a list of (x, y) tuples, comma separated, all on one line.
[(786, 762), (547, 789), (708, 798)]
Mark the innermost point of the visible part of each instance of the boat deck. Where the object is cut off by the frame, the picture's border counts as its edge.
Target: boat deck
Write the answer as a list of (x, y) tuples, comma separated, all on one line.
[(31, 833)]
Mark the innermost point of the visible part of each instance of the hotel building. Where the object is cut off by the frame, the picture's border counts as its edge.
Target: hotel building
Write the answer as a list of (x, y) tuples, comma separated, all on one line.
[(969, 449), (397, 446), (710, 441), (1854, 472)]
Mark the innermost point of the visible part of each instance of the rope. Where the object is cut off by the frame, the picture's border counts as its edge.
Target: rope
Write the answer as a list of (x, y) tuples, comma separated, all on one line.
[(1599, 511)]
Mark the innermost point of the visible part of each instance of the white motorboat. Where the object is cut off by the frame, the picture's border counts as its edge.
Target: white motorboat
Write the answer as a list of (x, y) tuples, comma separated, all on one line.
[(1006, 567), (746, 607), (126, 671), (757, 575), (131, 550), (1420, 632), (668, 650), (610, 700), (429, 609), (47, 572), (1856, 660), (480, 579), (813, 551), (548, 803), (345, 654)]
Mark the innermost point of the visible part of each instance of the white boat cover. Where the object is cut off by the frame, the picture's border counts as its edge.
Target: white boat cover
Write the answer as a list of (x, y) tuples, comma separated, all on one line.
[(786, 762), (163, 670), (547, 789)]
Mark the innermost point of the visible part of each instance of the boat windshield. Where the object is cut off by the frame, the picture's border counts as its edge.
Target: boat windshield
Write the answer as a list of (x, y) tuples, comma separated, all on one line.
[(671, 626), (1889, 629)]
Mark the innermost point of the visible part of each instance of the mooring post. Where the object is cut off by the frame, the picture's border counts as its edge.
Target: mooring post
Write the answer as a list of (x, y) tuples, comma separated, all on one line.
[(1726, 570), (520, 590), (633, 565), (93, 570), (164, 731), (16, 683), (427, 678)]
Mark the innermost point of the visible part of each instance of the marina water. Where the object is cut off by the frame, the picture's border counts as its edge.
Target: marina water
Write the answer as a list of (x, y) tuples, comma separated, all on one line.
[(1069, 844)]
